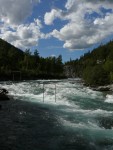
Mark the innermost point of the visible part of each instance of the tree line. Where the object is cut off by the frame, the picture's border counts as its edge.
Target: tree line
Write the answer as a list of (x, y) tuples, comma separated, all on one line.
[(95, 67), (31, 66)]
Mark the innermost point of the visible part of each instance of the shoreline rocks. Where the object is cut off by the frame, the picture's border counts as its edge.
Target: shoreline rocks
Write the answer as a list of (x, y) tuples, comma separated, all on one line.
[(104, 88), (101, 88)]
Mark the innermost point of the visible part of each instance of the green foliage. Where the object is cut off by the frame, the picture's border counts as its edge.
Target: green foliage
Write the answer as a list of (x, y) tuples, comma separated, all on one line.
[(95, 75), (36, 53), (109, 65), (111, 77), (31, 66), (96, 67)]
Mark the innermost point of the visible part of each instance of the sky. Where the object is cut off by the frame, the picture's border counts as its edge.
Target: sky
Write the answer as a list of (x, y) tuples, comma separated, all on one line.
[(57, 27)]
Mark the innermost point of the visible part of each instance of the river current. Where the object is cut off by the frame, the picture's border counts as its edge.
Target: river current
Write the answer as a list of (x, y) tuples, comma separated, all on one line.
[(55, 115)]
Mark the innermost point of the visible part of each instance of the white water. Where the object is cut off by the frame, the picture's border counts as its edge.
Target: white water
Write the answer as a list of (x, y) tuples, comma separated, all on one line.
[(77, 107), (109, 98)]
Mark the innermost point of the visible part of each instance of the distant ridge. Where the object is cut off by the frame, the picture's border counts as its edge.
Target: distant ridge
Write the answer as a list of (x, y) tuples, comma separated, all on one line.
[(4, 45)]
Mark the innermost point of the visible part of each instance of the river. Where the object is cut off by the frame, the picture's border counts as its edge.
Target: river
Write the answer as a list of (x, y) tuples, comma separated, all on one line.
[(55, 115)]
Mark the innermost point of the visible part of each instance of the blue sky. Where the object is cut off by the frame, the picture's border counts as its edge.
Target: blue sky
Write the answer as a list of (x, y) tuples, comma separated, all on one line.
[(54, 27)]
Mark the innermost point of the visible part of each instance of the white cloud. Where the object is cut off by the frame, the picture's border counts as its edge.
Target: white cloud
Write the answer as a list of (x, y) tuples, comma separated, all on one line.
[(24, 35), (82, 32), (87, 23), (15, 11), (50, 16), (53, 55), (13, 14)]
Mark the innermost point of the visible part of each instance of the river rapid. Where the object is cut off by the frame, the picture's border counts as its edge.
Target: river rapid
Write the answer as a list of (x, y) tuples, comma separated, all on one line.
[(55, 115)]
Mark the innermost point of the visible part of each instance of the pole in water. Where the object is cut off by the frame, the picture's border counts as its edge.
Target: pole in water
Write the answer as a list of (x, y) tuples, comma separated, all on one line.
[(43, 92), (55, 93)]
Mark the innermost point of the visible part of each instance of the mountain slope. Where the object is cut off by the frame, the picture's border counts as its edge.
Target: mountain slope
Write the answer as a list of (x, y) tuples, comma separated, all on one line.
[(95, 67), (32, 66), (9, 55)]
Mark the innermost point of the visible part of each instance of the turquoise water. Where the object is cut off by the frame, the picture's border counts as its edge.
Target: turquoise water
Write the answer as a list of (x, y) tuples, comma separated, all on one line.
[(73, 117)]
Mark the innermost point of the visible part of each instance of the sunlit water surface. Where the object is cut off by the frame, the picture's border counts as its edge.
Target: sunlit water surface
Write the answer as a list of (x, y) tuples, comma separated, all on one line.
[(72, 118)]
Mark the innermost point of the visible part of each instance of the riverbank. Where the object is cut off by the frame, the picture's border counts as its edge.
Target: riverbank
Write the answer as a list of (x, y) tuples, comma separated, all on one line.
[(104, 88), (12, 77)]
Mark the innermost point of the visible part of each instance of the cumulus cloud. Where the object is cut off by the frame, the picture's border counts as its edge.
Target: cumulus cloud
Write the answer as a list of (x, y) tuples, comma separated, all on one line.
[(13, 14), (89, 22), (16, 11), (50, 16), (24, 35)]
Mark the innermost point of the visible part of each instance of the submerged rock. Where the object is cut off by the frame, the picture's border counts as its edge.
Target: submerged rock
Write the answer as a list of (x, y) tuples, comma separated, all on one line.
[(106, 122), (3, 91)]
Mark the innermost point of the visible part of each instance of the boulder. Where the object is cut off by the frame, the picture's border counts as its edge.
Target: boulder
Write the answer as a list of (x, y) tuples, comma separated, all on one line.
[(3, 95), (3, 91)]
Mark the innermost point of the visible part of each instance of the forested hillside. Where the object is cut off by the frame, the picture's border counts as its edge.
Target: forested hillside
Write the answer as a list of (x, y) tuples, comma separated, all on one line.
[(31, 66), (96, 67)]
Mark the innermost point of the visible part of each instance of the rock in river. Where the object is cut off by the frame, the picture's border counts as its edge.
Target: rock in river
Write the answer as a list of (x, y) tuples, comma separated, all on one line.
[(3, 95)]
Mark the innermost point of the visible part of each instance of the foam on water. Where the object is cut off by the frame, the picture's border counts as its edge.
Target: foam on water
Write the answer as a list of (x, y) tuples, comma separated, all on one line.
[(80, 110), (69, 97), (88, 112), (80, 125), (64, 91), (109, 99)]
